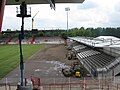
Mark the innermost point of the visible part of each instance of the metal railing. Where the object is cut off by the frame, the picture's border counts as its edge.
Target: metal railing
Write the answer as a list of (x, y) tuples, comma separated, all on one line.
[(66, 84)]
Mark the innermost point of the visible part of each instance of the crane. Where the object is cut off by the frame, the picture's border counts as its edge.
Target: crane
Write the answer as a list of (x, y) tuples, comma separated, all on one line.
[(33, 19)]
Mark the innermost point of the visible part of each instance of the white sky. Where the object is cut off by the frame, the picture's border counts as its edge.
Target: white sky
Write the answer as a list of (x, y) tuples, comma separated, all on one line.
[(91, 13)]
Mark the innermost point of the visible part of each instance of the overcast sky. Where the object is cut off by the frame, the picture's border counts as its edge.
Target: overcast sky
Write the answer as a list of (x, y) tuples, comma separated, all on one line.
[(91, 13)]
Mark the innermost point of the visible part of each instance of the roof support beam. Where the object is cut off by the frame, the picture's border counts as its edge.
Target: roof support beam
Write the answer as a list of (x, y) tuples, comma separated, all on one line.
[(18, 2)]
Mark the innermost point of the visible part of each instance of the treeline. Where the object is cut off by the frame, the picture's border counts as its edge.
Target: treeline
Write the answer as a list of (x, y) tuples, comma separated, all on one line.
[(91, 32), (88, 32), (36, 33)]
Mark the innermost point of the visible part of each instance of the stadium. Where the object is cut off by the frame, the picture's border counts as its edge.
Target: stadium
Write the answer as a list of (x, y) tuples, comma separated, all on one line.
[(105, 58), (74, 59)]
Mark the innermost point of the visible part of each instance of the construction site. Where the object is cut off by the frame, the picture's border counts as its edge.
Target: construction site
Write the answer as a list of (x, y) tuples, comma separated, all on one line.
[(73, 65), (76, 59)]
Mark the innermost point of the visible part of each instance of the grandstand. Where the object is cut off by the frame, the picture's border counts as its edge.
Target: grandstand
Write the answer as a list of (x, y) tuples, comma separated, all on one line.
[(3, 40), (49, 40), (32, 40), (100, 56)]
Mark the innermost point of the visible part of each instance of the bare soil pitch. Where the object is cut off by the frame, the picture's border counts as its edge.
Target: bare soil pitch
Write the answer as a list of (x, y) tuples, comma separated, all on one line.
[(46, 63)]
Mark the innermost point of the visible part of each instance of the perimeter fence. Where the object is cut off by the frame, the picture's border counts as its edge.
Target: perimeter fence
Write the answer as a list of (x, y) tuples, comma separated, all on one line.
[(62, 84)]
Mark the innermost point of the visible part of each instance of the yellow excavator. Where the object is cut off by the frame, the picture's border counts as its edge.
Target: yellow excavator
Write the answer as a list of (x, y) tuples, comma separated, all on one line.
[(75, 71)]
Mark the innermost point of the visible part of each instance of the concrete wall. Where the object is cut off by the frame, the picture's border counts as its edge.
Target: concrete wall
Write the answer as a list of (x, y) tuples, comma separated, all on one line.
[(110, 74), (113, 51)]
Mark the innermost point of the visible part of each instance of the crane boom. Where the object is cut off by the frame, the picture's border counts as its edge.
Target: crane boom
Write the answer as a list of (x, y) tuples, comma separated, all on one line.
[(33, 19), (35, 15)]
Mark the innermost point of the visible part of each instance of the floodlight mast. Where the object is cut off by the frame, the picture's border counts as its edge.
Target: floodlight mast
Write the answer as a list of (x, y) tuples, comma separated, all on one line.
[(67, 9), (22, 14)]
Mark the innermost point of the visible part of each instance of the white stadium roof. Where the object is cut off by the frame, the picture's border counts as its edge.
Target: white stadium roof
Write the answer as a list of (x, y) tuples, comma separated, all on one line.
[(101, 41), (12, 2)]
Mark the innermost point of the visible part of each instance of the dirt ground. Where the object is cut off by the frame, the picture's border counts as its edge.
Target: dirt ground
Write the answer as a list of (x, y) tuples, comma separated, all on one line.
[(46, 63)]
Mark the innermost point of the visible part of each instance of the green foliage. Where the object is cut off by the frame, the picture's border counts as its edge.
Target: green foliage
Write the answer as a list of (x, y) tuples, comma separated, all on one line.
[(40, 34), (64, 35), (91, 32), (79, 32), (88, 32), (9, 56)]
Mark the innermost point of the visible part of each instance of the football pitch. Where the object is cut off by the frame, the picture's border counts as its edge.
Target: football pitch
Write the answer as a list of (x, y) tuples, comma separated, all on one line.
[(10, 56)]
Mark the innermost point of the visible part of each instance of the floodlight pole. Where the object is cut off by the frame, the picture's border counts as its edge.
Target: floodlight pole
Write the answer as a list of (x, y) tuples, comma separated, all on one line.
[(21, 36), (67, 20), (23, 14), (21, 60), (67, 9)]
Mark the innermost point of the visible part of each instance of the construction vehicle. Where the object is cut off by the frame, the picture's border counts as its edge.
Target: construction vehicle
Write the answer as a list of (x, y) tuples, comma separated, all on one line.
[(33, 20), (75, 71), (71, 55)]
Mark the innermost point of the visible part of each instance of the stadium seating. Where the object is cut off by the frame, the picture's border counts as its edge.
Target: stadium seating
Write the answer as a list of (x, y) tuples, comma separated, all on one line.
[(93, 59)]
